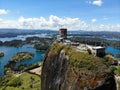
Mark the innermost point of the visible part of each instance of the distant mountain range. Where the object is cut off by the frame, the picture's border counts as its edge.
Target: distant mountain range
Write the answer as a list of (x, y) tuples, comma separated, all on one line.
[(8, 32), (14, 32)]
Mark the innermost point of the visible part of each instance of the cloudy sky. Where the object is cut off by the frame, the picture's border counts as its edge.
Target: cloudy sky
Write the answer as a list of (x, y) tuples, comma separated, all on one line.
[(53, 14)]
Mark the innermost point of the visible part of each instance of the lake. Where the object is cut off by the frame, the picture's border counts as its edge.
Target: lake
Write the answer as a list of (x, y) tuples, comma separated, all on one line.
[(113, 50), (10, 51)]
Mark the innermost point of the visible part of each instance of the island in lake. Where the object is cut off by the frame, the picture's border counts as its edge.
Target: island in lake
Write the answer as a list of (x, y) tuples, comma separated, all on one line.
[(20, 56)]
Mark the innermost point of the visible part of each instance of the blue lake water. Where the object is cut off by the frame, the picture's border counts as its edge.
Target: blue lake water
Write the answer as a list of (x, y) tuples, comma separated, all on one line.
[(10, 51), (113, 50)]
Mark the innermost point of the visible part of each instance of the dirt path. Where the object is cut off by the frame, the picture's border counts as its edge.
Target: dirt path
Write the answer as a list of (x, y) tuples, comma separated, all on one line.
[(36, 70)]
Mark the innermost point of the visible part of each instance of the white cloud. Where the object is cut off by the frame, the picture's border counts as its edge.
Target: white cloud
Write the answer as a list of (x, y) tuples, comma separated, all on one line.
[(94, 20), (3, 11), (110, 27), (8, 24), (97, 2), (1, 19), (54, 23)]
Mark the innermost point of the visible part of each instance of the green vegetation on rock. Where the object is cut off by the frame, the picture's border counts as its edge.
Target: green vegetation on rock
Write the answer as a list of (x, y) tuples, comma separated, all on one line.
[(117, 71), (74, 69), (80, 60), (22, 56)]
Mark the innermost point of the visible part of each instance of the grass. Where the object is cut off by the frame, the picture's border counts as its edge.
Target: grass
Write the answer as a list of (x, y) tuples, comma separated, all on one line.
[(117, 71), (27, 81), (80, 60)]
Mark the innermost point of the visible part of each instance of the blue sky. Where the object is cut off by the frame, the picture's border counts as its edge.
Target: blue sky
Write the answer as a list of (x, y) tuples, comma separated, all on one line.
[(90, 14)]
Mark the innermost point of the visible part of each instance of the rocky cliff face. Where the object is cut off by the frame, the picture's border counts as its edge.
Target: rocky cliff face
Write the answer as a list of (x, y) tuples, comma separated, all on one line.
[(66, 69)]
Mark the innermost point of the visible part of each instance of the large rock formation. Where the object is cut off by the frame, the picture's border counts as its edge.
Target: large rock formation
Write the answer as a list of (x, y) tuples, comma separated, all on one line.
[(67, 69)]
